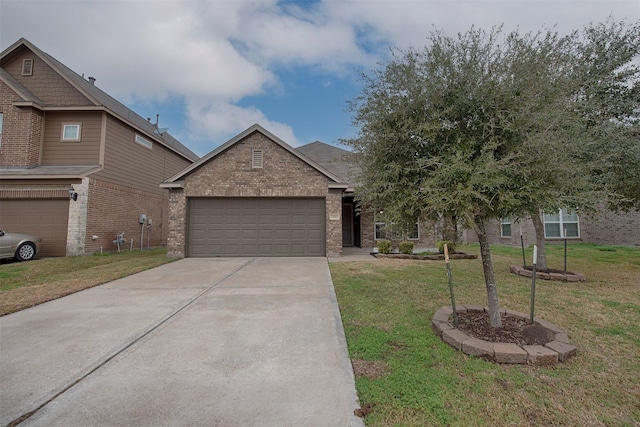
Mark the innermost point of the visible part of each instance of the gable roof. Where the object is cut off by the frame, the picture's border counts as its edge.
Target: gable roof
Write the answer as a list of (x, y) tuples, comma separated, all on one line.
[(333, 159), (175, 181), (95, 95)]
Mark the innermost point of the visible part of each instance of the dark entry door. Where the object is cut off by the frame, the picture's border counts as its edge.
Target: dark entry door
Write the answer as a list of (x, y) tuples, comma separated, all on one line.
[(347, 224)]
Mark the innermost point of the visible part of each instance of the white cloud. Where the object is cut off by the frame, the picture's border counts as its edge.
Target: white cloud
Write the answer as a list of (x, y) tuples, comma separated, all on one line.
[(212, 54), (211, 124)]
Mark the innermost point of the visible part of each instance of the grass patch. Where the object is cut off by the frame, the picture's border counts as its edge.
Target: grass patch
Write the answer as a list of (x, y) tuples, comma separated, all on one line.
[(387, 306), (31, 283)]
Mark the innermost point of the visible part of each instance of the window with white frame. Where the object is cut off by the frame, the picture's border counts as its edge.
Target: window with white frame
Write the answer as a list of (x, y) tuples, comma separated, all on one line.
[(563, 223), (71, 132), (385, 230), (143, 141), (505, 227)]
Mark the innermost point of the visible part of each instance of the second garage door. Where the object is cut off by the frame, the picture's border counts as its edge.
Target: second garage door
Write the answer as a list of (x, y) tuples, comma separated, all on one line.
[(256, 227), (44, 218)]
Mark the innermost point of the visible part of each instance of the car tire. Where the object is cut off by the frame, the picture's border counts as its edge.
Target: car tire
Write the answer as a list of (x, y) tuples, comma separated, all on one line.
[(26, 252)]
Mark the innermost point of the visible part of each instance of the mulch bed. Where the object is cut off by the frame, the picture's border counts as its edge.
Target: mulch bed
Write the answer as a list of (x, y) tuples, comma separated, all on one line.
[(514, 330), (437, 257)]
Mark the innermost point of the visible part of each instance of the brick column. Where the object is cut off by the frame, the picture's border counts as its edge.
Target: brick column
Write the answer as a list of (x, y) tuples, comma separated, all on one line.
[(77, 227), (176, 241), (334, 222)]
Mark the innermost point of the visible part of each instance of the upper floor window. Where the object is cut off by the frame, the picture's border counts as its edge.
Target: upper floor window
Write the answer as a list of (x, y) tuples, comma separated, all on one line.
[(143, 141), (505, 227), (563, 223), (71, 132)]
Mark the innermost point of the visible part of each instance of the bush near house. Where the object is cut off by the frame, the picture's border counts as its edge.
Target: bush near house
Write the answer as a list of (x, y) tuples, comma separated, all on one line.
[(406, 247), (384, 246)]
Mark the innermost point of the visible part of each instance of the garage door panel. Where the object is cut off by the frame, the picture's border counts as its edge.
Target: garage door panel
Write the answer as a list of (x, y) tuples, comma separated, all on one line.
[(257, 227), (265, 234), (315, 235), (44, 218), (298, 234)]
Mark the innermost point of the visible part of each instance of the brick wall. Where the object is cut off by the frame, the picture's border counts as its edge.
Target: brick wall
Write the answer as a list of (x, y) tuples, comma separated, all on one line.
[(21, 131), (176, 240), (607, 228), (230, 174), (428, 232), (114, 208), (612, 228), (77, 226), (334, 223)]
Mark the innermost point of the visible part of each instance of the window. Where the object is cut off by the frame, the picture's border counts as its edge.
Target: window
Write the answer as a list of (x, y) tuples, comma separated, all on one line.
[(386, 231), (560, 224), (71, 132), (257, 159), (27, 67), (143, 141), (505, 227)]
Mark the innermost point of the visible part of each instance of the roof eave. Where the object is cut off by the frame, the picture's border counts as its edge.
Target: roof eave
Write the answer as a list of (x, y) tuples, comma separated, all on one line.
[(244, 134), (177, 184)]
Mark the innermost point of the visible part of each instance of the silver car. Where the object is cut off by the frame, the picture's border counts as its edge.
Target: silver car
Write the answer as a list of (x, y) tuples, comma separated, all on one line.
[(22, 247)]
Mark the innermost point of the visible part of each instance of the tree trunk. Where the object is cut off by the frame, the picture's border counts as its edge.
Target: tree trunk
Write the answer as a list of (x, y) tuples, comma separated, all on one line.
[(541, 263), (489, 278)]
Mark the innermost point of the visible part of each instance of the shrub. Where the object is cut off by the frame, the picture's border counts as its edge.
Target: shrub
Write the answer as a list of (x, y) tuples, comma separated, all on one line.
[(384, 246), (406, 247), (450, 245)]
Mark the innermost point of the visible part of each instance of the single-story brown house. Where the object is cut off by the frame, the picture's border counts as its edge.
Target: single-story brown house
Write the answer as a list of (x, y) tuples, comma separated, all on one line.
[(256, 195)]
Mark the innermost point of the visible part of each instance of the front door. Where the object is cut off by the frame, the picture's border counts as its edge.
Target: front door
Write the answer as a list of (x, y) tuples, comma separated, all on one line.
[(347, 224)]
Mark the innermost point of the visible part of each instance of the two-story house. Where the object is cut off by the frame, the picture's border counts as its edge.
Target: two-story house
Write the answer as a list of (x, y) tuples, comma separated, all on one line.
[(77, 167)]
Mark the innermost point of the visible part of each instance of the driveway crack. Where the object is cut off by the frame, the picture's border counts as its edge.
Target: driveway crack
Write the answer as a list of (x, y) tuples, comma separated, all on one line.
[(128, 345)]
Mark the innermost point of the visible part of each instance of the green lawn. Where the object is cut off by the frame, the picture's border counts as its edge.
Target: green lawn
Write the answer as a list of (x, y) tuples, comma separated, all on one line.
[(25, 284), (415, 379)]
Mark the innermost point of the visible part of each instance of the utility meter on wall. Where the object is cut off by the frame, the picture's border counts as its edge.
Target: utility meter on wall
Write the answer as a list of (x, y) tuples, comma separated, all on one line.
[(143, 218)]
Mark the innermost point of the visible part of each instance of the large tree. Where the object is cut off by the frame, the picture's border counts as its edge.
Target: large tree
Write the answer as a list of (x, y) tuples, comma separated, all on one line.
[(481, 126)]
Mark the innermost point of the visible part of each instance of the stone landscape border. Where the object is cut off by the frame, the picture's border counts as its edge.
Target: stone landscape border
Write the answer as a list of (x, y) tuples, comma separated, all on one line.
[(557, 276), (558, 350)]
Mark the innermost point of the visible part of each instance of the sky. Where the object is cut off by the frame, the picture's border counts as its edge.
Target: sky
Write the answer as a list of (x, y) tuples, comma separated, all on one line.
[(213, 68)]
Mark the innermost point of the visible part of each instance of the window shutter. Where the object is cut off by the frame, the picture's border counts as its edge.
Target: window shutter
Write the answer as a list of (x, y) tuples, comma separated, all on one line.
[(257, 159)]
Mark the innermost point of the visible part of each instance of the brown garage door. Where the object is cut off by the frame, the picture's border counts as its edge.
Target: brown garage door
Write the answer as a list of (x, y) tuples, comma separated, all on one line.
[(256, 227), (45, 218)]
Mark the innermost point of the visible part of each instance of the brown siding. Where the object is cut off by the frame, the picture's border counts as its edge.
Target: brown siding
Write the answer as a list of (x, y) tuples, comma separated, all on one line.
[(21, 131), (128, 163), (44, 83), (85, 152)]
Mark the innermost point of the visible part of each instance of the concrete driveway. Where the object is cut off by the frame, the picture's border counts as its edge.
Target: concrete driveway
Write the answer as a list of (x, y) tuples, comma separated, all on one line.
[(198, 342)]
